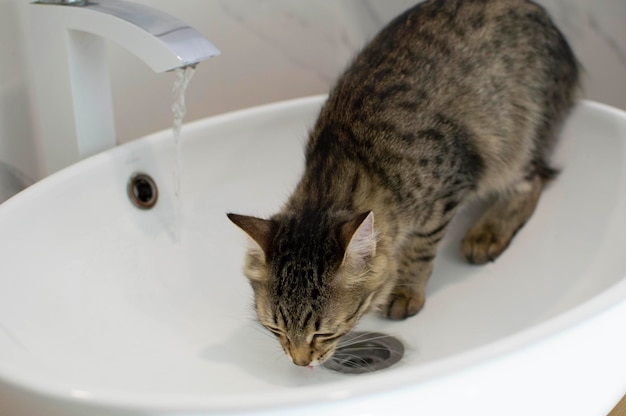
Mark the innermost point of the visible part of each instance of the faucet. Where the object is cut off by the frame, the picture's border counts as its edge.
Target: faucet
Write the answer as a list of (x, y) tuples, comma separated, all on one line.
[(70, 73)]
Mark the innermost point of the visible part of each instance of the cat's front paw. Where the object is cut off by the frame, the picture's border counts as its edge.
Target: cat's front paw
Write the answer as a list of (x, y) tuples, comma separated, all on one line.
[(403, 304)]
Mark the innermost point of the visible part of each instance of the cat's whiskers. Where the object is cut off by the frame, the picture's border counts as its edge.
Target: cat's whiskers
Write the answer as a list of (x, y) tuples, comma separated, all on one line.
[(261, 330), (276, 353), (364, 343), (355, 361), (358, 337), (366, 348), (362, 338)]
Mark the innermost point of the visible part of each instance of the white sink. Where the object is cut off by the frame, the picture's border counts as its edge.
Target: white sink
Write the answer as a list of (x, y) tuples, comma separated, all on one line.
[(106, 309)]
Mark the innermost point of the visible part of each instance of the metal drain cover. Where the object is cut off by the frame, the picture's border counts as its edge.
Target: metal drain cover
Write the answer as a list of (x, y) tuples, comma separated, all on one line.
[(365, 352), (142, 191)]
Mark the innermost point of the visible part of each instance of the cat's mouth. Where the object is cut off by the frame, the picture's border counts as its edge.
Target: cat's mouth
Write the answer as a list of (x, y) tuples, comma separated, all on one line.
[(365, 352), (316, 362)]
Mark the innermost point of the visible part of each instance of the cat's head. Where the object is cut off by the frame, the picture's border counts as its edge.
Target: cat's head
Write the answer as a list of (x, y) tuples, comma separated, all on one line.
[(313, 277)]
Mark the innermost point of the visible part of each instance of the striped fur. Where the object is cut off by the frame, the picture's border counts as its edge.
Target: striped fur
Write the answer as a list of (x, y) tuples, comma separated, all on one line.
[(452, 100)]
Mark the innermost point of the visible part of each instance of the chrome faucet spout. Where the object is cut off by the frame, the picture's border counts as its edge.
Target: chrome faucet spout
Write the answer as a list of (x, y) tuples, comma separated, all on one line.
[(63, 2), (68, 39), (184, 43)]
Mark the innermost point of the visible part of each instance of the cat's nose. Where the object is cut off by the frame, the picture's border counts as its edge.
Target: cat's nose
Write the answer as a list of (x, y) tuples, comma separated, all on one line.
[(301, 362), (301, 356)]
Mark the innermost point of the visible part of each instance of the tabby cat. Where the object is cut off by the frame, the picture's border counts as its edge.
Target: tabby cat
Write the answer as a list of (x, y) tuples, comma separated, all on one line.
[(454, 99)]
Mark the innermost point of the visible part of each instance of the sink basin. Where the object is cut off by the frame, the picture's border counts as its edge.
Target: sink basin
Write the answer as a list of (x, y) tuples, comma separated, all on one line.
[(109, 309)]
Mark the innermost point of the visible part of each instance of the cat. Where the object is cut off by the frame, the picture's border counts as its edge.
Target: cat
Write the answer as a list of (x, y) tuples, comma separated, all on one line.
[(452, 100)]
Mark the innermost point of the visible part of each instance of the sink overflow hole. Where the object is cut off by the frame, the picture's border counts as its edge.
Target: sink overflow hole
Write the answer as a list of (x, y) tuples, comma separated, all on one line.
[(142, 191), (365, 352)]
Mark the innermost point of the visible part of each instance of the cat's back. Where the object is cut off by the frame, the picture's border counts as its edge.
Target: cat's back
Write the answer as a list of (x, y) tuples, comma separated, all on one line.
[(453, 55), (477, 86)]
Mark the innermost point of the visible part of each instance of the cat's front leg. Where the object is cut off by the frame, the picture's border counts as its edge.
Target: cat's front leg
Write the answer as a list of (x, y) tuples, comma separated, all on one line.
[(415, 259)]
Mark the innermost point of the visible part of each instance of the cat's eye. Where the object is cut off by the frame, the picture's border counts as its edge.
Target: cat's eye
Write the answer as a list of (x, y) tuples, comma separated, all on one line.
[(328, 336)]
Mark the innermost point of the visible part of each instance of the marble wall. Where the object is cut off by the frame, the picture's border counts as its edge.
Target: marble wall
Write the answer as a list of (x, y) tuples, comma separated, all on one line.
[(274, 50)]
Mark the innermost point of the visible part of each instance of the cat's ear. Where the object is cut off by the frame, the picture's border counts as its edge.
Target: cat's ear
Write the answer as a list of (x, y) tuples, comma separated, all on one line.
[(359, 239), (260, 231)]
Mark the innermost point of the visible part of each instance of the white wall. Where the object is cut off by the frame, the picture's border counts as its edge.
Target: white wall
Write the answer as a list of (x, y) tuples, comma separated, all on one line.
[(274, 50), (16, 136)]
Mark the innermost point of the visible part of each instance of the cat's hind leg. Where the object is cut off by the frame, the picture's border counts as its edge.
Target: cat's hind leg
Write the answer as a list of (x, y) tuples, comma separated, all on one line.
[(510, 210)]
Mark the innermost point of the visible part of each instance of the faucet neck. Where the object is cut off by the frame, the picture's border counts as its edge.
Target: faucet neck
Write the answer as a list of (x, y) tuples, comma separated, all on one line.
[(70, 72)]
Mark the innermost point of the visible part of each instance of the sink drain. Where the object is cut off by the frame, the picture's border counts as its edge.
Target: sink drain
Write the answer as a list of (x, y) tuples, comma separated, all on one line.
[(365, 352), (142, 191)]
